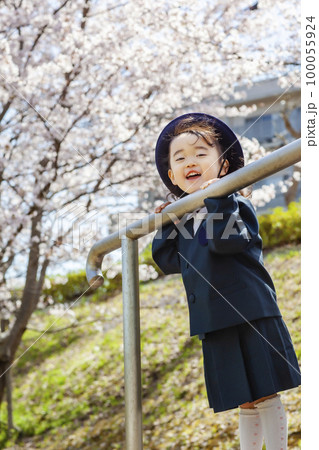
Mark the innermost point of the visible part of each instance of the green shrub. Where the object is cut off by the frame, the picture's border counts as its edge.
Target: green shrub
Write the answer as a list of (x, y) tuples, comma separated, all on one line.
[(65, 288), (72, 285), (281, 226)]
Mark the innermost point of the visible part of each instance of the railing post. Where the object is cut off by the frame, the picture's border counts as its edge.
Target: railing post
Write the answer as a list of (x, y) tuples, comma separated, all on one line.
[(132, 347)]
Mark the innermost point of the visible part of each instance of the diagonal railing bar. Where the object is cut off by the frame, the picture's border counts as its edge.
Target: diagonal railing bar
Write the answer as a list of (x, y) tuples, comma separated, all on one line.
[(127, 238), (256, 171)]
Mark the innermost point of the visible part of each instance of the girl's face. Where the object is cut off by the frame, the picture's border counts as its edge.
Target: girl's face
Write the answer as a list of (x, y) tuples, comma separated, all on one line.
[(193, 161)]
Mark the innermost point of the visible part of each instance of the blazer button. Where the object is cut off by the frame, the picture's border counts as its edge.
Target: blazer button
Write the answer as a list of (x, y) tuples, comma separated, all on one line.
[(192, 298)]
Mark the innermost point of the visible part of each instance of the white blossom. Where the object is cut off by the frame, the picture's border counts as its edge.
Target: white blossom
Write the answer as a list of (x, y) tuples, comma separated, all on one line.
[(83, 100)]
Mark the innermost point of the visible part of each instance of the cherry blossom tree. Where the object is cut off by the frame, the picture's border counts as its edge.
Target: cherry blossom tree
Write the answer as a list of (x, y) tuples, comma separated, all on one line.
[(85, 88)]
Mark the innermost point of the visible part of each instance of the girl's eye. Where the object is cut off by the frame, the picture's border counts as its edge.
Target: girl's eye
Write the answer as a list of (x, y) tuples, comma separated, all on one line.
[(202, 154), (179, 159)]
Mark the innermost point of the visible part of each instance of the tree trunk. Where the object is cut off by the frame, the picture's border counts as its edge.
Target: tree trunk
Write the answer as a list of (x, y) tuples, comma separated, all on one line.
[(9, 399), (30, 297), (7, 385)]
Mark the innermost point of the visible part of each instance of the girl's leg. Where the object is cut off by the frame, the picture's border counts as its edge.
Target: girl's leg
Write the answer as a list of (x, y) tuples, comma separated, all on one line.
[(274, 423), (250, 429)]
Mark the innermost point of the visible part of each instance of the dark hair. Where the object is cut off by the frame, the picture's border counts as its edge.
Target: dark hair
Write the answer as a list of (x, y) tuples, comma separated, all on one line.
[(200, 128)]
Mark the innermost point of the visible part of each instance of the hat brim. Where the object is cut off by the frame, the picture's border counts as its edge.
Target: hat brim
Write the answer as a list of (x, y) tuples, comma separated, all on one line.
[(227, 140)]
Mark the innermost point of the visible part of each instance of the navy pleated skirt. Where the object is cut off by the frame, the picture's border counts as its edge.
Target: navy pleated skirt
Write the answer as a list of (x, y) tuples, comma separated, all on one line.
[(248, 361)]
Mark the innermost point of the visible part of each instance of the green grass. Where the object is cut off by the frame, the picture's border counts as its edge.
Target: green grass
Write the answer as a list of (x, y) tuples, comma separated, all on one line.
[(69, 386)]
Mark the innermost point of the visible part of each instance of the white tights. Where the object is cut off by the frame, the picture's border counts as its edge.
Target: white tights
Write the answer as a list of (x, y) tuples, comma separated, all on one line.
[(250, 429), (268, 420)]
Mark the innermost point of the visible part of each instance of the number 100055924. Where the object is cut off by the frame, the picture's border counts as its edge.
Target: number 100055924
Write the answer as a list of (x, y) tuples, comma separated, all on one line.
[(310, 50)]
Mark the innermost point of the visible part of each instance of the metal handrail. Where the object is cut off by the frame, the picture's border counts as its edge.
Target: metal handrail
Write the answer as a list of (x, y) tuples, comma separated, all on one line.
[(127, 238), (256, 171)]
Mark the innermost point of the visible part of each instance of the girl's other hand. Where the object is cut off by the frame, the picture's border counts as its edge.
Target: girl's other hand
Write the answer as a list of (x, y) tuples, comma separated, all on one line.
[(159, 208), (207, 183)]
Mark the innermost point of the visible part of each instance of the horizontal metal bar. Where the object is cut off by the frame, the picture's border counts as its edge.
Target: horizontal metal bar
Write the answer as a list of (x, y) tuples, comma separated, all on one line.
[(256, 171)]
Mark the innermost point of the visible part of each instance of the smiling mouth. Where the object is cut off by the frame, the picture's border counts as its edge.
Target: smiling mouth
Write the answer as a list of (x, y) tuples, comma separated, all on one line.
[(193, 176)]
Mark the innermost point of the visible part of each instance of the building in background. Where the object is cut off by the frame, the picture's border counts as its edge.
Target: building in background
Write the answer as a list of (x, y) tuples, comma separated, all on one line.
[(266, 122), (274, 122)]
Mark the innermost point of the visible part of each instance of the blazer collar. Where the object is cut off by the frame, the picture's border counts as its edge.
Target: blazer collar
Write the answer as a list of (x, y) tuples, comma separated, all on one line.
[(198, 215)]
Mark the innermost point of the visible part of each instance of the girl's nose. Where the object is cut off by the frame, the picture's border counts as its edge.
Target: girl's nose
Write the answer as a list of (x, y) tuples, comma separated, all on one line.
[(190, 162)]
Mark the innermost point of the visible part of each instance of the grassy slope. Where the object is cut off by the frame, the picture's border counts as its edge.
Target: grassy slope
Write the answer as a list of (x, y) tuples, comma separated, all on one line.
[(69, 386)]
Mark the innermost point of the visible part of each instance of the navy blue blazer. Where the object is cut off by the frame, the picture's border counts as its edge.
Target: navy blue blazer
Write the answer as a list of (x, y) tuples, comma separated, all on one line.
[(222, 266)]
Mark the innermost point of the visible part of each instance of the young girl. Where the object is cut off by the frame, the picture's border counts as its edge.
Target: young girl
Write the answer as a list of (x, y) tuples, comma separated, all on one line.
[(247, 350)]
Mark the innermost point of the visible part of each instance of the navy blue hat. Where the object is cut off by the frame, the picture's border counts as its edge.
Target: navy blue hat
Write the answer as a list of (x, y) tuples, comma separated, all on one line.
[(226, 138)]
